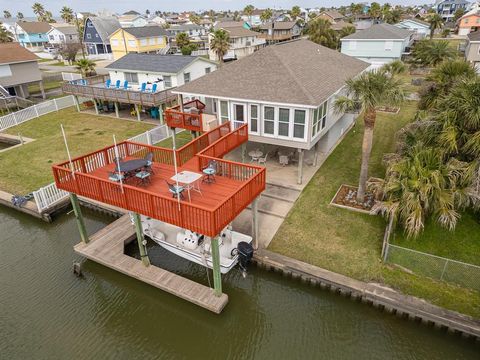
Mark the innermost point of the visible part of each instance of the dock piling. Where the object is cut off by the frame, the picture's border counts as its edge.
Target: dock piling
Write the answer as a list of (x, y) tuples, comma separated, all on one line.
[(217, 276), (78, 215), (140, 239)]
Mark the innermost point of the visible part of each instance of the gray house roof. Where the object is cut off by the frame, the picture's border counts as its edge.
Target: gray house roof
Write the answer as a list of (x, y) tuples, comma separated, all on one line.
[(105, 26), (297, 72), (380, 31), (146, 31), (170, 64), (474, 36)]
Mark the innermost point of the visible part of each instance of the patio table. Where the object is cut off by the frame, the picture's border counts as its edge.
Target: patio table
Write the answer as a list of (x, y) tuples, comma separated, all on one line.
[(131, 165), (189, 179), (255, 154)]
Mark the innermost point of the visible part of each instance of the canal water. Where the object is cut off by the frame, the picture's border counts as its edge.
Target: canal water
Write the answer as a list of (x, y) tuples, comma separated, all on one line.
[(48, 313)]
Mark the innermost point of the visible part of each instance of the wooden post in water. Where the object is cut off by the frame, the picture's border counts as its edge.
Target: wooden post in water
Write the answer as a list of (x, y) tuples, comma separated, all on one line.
[(217, 275), (138, 228), (255, 223), (78, 215)]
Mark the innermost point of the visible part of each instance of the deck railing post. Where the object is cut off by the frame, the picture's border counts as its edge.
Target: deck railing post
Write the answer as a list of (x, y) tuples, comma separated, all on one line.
[(217, 275), (140, 239), (78, 215)]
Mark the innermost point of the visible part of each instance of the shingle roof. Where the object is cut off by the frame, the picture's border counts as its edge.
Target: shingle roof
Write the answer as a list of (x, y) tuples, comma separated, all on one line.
[(171, 64), (474, 36), (296, 72), (339, 25), (279, 25), (105, 26), (13, 52), (146, 31), (67, 29), (334, 14), (186, 27), (229, 24), (32, 27), (240, 31), (380, 31)]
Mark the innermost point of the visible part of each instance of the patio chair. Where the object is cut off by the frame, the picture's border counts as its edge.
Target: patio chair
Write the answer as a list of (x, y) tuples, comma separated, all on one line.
[(108, 83), (117, 84), (210, 172), (143, 177), (144, 87), (149, 158), (175, 190), (154, 88), (263, 160), (125, 85), (115, 177)]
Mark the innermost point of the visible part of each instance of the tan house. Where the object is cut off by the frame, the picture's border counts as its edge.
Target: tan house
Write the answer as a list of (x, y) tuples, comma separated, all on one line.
[(274, 32), (472, 51), (331, 15), (18, 69)]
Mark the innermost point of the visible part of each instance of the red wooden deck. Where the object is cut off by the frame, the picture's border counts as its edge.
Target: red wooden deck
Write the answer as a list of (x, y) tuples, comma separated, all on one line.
[(208, 213), (175, 118)]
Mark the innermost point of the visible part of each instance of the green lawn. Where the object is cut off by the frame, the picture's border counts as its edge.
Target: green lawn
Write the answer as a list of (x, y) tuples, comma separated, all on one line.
[(350, 243), (183, 138), (47, 85), (28, 167)]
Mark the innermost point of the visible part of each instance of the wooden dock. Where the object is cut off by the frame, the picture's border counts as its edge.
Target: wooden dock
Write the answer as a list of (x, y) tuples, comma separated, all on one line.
[(106, 247)]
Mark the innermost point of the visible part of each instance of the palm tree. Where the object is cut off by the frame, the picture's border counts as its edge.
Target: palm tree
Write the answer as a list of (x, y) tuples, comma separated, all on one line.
[(375, 10), (66, 14), (248, 11), (320, 31), (182, 40), (86, 66), (367, 92), (295, 12), (436, 22), (195, 19), (396, 67), (5, 35), (20, 15), (266, 15), (347, 30), (220, 43), (6, 14), (432, 52), (423, 184), (38, 10)]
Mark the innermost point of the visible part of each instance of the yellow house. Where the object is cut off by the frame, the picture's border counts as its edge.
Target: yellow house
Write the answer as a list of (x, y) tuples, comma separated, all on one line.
[(145, 39)]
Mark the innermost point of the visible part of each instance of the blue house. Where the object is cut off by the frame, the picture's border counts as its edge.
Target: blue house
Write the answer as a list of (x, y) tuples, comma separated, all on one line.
[(447, 8), (32, 34), (96, 33), (378, 45), (419, 27)]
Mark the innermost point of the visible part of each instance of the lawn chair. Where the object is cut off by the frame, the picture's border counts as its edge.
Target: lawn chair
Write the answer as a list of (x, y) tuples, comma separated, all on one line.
[(144, 87), (125, 85), (175, 190), (154, 88), (149, 158), (210, 172), (143, 177), (108, 83), (263, 160), (117, 84), (115, 177)]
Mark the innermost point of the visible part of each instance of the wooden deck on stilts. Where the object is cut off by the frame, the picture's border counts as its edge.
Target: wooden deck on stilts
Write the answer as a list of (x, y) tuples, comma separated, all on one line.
[(106, 247)]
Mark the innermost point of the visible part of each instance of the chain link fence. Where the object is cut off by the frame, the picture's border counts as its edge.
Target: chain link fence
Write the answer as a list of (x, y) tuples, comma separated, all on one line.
[(435, 267)]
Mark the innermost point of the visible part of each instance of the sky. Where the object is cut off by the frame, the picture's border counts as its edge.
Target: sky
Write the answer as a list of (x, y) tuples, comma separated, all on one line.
[(119, 6)]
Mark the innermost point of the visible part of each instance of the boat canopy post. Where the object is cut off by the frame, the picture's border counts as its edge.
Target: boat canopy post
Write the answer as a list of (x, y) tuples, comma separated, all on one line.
[(217, 276), (140, 239), (79, 217)]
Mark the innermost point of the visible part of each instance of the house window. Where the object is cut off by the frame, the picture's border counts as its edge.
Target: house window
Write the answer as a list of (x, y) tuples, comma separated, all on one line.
[(207, 70), (223, 111), (132, 43), (51, 37), (89, 24), (70, 37), (388, 45), (269, 120), (62, 38), (186, 77), (89, 36), (254, 118), (151, 41), (143, 42), (96, 35), (319, 119), (283, 122), (131, 77), (352, 45), (299, 124), (167, 81), (114, 42)]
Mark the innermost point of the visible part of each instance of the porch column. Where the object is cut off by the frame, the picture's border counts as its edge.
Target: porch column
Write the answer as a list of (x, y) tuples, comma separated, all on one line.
[(217, 275), (244, 151), (140, 239), (315, 155), (79, 217), (77, 103), (180, 101), (160, 113), (22, 91), (115, 104), (96, 106), (137, 111), (255, 222), (42, 90), (300, 166)]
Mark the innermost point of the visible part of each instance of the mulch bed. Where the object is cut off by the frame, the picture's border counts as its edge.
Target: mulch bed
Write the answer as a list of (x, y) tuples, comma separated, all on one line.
[(388, 109), (347, 196)]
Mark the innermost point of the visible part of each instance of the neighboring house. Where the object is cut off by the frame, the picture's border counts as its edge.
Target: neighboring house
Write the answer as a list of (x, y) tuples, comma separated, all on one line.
[(18, 69), (166, 71), (96, 33), (196, 33), (419, 27), (280, 31), (131, 12), (146, 39), (331, 15), (447, 8), (32, 34), (378, 45), (132, 21), (284, 92), (65, 34), (469, 22), (158, 20), (243, 42), (472, 51), (254, 19)]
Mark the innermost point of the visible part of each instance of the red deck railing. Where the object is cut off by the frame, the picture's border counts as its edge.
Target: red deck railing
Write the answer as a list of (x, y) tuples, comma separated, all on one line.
[(189, 121), (210, 146)]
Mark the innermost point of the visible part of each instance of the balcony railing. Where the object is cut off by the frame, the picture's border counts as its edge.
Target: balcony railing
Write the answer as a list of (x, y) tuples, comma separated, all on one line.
[(175, 118), (94, 88)]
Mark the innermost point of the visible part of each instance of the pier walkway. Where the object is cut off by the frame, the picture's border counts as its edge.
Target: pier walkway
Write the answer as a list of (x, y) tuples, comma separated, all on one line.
[(106, 247)]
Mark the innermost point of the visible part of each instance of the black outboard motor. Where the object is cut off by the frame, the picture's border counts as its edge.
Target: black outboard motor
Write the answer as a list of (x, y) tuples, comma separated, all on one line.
[(245, 254)]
